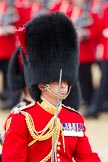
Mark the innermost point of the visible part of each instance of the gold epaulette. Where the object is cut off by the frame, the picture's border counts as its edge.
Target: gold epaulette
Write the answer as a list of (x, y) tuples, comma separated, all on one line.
[(17, 110), (72, 109)]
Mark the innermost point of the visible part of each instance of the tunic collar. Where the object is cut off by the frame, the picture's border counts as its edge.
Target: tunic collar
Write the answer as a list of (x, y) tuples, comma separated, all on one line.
[(48, 106)]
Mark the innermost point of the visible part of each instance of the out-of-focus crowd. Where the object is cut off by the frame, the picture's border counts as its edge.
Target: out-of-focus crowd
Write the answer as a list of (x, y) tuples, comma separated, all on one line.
[(90, 19)]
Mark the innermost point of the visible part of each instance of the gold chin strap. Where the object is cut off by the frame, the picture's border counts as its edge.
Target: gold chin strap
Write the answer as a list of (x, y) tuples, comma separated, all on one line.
[(50, 90)]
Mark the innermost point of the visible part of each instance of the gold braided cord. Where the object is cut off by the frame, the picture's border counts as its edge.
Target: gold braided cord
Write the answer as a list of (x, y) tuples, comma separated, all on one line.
[(44, 134), (8, 123), (31, 127)]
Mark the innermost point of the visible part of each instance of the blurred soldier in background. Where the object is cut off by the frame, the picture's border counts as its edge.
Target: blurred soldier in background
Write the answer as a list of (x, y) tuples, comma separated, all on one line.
[(86, 24), (14, 13), (9, 18), (101, 100)]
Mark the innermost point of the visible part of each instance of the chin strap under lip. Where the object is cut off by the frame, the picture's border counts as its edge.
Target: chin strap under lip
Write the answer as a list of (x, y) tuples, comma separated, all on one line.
[(50, 90)]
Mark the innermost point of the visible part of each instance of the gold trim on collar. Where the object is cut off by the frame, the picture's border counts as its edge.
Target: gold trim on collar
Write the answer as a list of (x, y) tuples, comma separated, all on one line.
[(48, 106)]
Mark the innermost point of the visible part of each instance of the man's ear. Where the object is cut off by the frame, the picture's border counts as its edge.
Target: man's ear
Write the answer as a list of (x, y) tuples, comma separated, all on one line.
[(41, 87)]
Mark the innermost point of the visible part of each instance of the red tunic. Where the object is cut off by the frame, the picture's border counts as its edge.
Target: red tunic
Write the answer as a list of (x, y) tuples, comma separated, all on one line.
[(15, 148)]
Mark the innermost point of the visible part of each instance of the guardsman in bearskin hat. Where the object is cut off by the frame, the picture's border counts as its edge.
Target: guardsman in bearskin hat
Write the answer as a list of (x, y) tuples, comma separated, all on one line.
[(48, 130)]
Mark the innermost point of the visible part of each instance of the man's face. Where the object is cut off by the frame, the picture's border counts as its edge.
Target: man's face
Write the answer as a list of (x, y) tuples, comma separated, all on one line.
[(54, 86), (63, 87)]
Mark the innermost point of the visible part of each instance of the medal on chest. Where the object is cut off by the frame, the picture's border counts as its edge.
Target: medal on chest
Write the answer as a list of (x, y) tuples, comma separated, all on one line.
[(73, 129)]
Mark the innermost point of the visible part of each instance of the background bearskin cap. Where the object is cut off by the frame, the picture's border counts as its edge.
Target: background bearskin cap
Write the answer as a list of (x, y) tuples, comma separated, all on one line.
[(16, 79)]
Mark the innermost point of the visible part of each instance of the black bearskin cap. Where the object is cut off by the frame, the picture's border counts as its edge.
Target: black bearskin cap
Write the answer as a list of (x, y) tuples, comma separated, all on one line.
[(16, 79), (51, 45)]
